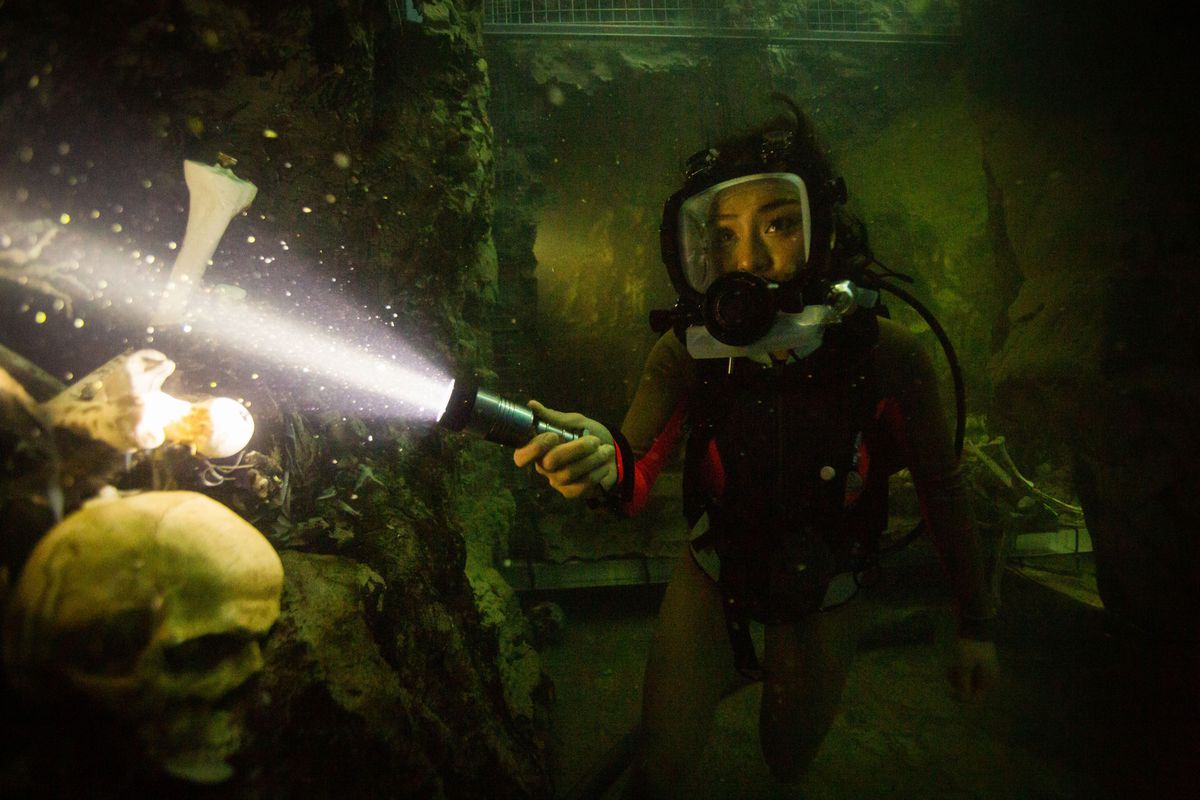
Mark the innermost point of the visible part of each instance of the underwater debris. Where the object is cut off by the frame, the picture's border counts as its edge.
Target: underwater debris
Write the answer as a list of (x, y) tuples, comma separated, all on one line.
[(21, 263), (123, 405), (216, 196)]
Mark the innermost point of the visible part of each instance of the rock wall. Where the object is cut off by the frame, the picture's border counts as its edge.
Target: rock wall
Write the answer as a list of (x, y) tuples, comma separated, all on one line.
[(393, 671), (1092, 211)]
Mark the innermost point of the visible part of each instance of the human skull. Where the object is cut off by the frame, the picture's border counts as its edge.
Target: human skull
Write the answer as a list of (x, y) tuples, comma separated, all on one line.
[(152, 605)]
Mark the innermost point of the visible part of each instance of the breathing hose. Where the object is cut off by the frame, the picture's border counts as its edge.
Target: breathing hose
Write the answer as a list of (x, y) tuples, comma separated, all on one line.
[(960, 394)]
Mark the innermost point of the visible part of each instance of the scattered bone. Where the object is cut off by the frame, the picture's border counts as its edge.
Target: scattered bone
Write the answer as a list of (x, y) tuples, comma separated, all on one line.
[(123, 405)]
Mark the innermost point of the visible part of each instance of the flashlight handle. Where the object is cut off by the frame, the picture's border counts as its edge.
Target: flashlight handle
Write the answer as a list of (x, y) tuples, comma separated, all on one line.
[(562, 433), (496, 419)]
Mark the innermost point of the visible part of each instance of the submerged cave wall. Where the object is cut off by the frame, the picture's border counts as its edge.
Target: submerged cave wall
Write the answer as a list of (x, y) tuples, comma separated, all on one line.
[(399, 666), (1090, 162)]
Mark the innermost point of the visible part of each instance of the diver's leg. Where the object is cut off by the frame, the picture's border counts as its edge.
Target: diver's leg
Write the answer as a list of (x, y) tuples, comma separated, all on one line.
[(689, 668), (804, 672)]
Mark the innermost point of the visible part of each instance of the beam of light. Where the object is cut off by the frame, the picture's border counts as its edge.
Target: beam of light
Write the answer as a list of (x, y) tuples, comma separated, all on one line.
[(348, 358), (386, 378)]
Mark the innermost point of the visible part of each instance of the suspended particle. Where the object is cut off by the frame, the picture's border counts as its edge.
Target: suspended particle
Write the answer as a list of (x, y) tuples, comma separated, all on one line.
[(34, 81), (64, 148), (64, 219), (251, 239), (25, 154), (94, 213), (78, 323), (341, 159), (39, 317), (147, 183), (331, 199), (172, 245), (306, 210), (269, 134), (116, 227)]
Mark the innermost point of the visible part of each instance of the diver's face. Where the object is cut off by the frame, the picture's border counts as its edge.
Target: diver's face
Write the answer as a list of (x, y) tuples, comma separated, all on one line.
[(758, 227)]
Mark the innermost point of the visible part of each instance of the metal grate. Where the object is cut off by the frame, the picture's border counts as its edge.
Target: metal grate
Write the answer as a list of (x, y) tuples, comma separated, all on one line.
[(844, 20)]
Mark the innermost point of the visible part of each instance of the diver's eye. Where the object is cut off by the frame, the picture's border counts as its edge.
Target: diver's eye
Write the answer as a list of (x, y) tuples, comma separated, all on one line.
[(723, 237), (785, 224)]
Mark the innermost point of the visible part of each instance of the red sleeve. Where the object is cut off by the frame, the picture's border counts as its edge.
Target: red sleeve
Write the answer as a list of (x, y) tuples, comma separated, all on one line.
[(647, 468)]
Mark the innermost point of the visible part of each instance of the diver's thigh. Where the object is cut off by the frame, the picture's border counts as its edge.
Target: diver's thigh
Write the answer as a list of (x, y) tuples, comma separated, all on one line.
[(689, 668), (805, 669)]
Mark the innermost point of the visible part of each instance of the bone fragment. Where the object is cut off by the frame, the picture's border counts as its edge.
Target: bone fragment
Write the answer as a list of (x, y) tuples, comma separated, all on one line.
[(216, 197)]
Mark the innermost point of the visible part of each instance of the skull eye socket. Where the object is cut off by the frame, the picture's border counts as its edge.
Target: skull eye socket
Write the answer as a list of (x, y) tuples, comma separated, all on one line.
[(204, 653), (108, 647)]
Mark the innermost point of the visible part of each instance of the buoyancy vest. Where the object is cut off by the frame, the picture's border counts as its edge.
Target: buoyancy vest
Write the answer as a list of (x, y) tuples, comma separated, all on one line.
[(772, 456)]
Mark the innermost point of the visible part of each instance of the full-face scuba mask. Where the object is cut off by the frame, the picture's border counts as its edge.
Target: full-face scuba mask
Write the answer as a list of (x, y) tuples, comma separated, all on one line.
[(782, 203)]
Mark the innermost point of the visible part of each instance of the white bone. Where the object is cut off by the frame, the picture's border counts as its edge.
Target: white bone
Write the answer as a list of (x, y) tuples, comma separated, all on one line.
[(216, 196), (122, 404)]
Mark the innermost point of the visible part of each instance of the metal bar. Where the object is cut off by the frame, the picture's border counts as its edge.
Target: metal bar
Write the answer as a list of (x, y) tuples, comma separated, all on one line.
[(765, 35)]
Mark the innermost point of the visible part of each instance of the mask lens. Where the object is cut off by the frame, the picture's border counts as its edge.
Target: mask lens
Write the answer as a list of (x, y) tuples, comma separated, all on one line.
[(706, 232)]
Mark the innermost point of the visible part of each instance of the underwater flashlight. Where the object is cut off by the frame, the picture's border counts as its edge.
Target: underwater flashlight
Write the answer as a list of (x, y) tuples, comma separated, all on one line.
[(498, 420)]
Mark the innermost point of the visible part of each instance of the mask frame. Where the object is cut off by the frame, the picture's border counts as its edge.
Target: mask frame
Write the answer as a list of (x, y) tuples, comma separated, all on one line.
[(779, 152)]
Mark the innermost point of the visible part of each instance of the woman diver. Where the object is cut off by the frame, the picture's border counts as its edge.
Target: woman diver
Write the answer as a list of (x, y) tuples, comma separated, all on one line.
[(797, 399)]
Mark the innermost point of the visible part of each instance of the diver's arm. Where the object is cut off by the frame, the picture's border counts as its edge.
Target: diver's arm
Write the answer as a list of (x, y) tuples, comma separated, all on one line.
[(619, 465), (653, 425), (919, 422)]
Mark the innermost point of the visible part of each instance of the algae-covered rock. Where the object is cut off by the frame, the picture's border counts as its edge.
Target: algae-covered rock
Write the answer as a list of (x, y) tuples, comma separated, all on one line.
[(368, 138)]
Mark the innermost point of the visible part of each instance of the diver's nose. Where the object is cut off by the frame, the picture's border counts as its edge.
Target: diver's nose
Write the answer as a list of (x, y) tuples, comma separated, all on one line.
[(752, 255)]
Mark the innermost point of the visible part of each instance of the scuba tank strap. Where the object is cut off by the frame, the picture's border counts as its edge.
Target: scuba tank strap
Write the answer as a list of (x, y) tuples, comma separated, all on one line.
[(737, 619), (737, 624)]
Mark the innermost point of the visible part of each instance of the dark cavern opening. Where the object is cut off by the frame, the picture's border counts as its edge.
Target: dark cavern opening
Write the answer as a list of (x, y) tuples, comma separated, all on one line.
[(595, 399)]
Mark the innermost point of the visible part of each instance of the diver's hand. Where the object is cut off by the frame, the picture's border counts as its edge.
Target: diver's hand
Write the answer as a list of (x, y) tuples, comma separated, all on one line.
[(975, 668), (577, 468)]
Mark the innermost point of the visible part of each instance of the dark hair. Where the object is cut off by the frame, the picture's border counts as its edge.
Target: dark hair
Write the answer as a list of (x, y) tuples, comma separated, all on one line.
[(746, 149)]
